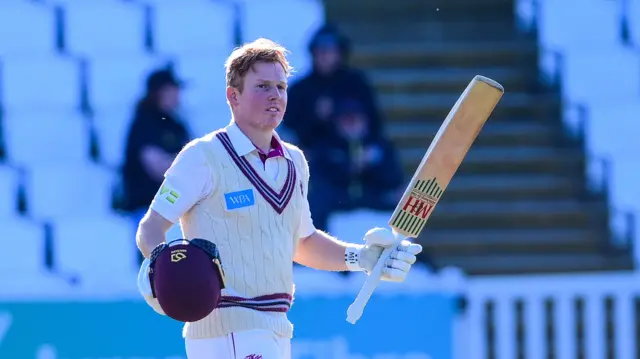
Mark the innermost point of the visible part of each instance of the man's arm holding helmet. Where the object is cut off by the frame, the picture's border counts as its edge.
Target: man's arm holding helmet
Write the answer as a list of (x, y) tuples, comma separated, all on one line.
[(186, 182)]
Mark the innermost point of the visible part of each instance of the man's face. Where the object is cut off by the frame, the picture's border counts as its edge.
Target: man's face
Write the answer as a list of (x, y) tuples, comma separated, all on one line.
[(263, 100), (327, 59), (169, 98)]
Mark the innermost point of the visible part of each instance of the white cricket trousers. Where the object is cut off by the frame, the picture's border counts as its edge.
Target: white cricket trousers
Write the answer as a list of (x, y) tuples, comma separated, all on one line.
[(251, 344)]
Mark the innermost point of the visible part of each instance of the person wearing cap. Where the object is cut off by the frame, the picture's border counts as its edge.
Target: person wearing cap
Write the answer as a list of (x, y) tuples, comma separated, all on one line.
[(311, 112), (154, 139)]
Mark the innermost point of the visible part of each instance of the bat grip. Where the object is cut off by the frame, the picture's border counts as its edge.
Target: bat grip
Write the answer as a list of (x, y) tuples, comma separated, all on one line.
[(357, 307)]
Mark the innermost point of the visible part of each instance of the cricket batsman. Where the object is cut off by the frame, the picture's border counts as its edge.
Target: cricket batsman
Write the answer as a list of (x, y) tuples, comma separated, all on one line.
[(245, 190)]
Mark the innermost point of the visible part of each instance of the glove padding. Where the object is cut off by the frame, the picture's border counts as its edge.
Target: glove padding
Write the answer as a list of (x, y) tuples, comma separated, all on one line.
[(144, 286), (399, 262)]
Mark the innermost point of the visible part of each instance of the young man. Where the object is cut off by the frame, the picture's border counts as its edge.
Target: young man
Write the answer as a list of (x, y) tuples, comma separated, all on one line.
[(245, 190)]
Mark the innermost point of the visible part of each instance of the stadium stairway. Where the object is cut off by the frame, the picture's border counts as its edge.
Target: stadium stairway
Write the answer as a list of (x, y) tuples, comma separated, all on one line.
[(520, 202)]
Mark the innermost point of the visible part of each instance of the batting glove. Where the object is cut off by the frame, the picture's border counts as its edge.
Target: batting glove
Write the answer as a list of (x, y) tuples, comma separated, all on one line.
[(397, 264), (144, 286)]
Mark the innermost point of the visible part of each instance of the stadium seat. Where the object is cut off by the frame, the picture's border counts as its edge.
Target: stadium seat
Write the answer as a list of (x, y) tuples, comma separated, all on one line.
[(193, 27), (119, 81), (23, 272), (36, 137), (294, 33), (205, 119), (205, 78), (95, 28), (99, 251), (47, 83), (112, 129), (23, 246), (59, 190), (26, 29), (9, 185)]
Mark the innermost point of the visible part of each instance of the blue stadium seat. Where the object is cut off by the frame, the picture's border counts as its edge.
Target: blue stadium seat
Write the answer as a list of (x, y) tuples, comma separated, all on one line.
[(112, 128), (193, 27), (95, 28), (23, 245), (294, 32), (205, 78), (118, 81), (38, 137), (66, 190), (26, 29), (23, 272), (207, 118), (99, 250), (39, 83), (9, 185)]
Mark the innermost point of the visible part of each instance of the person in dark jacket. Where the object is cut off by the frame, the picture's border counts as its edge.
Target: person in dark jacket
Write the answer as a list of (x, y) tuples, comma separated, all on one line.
[(334, 117), (311, 111), (155, 138), (353, 168)]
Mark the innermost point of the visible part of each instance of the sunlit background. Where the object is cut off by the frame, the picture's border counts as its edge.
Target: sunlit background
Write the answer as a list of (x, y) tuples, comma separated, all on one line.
[(530, 254)]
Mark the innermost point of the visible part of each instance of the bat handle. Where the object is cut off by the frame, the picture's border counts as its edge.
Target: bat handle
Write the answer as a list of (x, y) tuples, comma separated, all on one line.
[(357, 307)]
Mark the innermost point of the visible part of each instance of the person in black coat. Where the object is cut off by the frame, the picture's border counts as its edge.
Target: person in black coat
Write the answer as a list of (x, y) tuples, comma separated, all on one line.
[(311, 110), (155, 138), (352, 168), (334, 117)]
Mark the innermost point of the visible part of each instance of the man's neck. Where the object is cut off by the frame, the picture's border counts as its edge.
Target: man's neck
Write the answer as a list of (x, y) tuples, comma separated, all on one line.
[(260, 138)]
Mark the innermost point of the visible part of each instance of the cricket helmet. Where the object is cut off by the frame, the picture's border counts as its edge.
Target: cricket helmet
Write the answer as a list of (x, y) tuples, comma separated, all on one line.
[(186, 278)]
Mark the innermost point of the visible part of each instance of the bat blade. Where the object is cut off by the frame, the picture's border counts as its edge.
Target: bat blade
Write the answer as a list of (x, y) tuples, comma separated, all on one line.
[(441, 161), (444, 156)]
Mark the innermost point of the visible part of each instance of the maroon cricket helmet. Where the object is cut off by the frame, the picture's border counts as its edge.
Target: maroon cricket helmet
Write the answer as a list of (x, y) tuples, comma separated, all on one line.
[(187, 278)]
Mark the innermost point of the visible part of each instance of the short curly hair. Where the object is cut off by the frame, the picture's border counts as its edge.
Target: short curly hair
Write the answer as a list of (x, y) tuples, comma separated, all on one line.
[(243, 58)]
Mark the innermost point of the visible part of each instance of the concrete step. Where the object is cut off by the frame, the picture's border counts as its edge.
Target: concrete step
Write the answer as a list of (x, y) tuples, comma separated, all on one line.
[(496, 161), (480, 242), (470, 55), (368, 32), (518, 214), (407, 10), (450, 80), (537, 263), (437, 106), (494, 188), (493, 134)]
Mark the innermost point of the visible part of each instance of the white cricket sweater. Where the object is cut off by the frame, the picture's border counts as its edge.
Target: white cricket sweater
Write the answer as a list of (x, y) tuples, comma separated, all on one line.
[(253, 220)]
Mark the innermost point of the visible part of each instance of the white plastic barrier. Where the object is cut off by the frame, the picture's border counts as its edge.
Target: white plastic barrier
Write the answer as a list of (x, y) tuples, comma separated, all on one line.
[(548, 309)]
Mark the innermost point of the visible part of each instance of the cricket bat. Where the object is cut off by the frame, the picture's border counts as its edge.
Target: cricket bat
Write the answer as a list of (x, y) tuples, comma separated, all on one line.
[(443, 158)]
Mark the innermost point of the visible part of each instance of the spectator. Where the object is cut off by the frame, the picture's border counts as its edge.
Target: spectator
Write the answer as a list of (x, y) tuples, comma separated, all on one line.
[(333, 115), (155, 137), (353, 168), (311, 111)]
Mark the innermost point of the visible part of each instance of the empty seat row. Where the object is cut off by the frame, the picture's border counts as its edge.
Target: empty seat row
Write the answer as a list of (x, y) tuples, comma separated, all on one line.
[(89, 251), (89, 28), (58, 190), (35, 138), (180, 28), (54, 83), (86, 250)]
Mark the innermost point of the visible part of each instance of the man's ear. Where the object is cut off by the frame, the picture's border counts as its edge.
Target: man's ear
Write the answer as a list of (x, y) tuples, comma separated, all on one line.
[(232, 96)]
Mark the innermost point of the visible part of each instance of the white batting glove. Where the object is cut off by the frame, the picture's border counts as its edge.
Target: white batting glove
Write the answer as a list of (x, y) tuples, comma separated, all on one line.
[(144, 286), (397, 265)]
